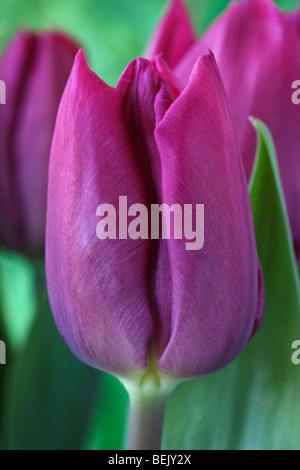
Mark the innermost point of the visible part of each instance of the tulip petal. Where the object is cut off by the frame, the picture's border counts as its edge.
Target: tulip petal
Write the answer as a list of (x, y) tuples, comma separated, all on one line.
[(98, 289), (294, 19), (147, 89), (146, 95), (174, 36), (257, 49), (213, 314), (139, 86), (167, 75)]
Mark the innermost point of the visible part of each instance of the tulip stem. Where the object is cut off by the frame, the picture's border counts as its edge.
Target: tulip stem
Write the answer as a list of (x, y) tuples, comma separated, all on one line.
[(146, 420)]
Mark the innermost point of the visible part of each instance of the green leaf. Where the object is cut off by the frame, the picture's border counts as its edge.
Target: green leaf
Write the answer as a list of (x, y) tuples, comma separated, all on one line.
[(50, 394), (3, 338), (254, 403)]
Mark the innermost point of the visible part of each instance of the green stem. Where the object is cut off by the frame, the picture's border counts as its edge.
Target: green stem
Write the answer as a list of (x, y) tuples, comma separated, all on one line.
[(146, 420)]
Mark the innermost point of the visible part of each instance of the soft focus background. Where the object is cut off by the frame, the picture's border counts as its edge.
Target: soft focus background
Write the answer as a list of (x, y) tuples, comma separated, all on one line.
[(48, 399), (112, 31)]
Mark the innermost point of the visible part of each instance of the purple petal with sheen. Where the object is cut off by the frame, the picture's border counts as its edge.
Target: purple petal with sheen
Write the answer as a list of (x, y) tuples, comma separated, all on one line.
[(99, 290), (217, 296)]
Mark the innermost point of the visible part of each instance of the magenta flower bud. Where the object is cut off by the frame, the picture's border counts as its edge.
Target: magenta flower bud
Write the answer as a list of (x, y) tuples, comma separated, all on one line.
[(35, 69), (125, 303), (257, 50), (174, 36)]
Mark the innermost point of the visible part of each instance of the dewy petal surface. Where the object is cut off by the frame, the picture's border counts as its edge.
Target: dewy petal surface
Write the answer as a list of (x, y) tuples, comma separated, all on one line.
[(257, 50), (35, 68), (99, 290), (174, 35), (216, 292)]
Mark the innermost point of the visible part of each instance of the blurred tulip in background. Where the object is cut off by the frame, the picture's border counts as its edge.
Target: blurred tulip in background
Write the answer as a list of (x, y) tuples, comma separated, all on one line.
[(257, 49), (35, 69)]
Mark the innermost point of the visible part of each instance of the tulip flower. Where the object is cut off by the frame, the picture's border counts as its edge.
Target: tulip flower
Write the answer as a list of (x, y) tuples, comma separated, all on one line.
[(35, 69), (257, 50), (148, 310)]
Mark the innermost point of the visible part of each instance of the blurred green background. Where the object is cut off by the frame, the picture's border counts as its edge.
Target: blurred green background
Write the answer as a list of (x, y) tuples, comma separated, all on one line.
[(49, 400), (113, 32)]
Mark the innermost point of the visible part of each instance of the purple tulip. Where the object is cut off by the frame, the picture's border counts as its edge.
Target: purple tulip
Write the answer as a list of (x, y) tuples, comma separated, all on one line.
[(124, 304), (257, 49), (35, 69)]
